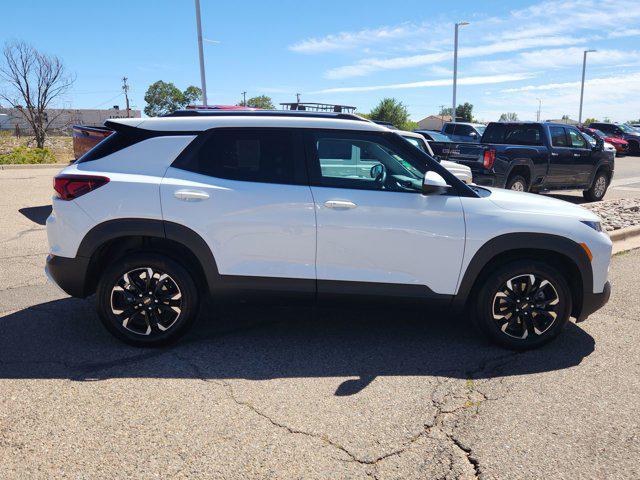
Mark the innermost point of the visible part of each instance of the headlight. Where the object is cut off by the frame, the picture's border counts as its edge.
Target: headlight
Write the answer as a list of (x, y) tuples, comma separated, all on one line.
[(595, 225)]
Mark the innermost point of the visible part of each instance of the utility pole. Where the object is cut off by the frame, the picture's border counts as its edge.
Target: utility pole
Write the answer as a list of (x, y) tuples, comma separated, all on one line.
[(298, 97), (539, 109), (125, 89), (584, 67), (455, 68), (203, 80), (244, 101)]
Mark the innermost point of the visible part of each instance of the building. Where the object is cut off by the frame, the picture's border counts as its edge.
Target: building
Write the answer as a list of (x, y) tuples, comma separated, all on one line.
[(63, 119), (565, 119), (433, 122)]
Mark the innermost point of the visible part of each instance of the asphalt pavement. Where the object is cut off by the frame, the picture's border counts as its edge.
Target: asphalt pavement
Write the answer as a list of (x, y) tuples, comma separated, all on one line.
[(298, 392)]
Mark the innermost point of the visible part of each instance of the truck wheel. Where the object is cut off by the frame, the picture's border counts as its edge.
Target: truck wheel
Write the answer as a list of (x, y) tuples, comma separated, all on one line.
[(517, 183), (523, 305), (598, 187), (147, 300)]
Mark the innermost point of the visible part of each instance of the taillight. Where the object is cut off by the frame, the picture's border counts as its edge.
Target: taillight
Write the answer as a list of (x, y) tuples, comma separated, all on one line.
[(489, 158), (69, 187)]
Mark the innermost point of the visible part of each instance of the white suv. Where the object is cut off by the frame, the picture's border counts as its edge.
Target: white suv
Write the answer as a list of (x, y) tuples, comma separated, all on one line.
[(169, 209)]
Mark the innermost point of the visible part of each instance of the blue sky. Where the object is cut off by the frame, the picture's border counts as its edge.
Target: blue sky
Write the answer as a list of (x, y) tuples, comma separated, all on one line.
[(350, 51)]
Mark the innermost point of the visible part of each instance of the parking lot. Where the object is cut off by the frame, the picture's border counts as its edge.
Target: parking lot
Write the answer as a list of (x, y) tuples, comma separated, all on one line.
[(295, 392)]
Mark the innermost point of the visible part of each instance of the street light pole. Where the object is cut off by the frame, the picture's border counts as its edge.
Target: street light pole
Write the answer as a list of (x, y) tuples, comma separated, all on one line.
[(539, 108), (455, 68), (203, 80), (584, 68)]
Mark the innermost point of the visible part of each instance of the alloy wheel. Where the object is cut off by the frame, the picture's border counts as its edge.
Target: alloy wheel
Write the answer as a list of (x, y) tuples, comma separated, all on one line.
[(518, 186), (525, 305), (600, 186), (146, 301)]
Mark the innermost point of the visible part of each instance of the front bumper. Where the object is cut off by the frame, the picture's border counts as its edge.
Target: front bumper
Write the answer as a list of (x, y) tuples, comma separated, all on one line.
[(592, 302), (69, 274)]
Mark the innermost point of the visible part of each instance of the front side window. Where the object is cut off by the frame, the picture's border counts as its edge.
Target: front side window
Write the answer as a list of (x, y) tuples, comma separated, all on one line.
[(558, 137), (576, 138), (364, 161), (449, 128), (252, 155)]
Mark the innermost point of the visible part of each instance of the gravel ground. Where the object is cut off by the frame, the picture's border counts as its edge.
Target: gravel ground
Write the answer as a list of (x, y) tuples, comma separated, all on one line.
[(617, 214)]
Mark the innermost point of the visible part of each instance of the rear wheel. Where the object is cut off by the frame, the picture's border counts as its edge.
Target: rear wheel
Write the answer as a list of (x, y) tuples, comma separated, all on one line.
[(517, 183), (523, 304), (147, 300), (598, 187)]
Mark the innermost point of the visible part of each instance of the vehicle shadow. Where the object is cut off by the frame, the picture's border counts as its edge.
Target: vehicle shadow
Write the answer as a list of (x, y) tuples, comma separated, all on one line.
[(64, 339), (37, 214)]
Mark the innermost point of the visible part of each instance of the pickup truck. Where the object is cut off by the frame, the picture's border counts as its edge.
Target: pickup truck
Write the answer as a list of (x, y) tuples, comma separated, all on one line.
[(532, 156)]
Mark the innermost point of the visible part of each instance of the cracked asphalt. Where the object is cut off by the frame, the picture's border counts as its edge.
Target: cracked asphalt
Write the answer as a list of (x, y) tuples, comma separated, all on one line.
[(298, 392)]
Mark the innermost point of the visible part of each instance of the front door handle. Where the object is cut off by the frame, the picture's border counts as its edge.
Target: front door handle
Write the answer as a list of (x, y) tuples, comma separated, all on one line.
[(340, 204), (189, 195), (577, 155), (554, 154)]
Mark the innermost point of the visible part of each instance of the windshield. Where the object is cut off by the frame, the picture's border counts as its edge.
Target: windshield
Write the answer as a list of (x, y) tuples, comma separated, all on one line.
[(416, 142), (438, 137), (626, 129), (480, 129)]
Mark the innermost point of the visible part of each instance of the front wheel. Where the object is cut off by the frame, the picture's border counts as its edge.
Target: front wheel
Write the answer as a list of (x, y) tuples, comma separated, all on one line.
[(147, 300), (523, 304), (598, 187)]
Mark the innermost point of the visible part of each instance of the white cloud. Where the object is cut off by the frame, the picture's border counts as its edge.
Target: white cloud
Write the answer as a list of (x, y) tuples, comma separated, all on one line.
[(367, 66), (349, 40), (630, 82), (558, 58), (625, 32), (479, 80)]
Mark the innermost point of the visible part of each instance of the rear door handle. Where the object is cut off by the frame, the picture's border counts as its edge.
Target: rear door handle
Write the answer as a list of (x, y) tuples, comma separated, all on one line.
[(340, 204), (189, 195), (577, 155), (553, 154)]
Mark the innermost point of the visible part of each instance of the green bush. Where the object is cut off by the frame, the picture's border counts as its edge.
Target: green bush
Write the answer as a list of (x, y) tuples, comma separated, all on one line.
[(27, 155)]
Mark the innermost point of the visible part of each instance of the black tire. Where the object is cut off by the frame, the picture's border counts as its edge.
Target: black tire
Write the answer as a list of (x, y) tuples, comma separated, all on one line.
[(517, 183), (634, 148), (598, 187), (540, 327), (165, 314)]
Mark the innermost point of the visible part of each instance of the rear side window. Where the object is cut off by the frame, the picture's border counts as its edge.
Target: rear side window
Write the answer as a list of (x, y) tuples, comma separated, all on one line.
[(558, 137), (464, 130), (448, 129), (502, 133), (250, 155)]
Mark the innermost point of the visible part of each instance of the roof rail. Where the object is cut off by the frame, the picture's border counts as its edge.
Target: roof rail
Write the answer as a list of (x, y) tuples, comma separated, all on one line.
[(264, 113)]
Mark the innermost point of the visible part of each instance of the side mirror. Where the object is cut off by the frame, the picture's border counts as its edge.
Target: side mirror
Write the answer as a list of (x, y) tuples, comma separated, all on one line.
[(433, 183), (599, 146), (473, 135)]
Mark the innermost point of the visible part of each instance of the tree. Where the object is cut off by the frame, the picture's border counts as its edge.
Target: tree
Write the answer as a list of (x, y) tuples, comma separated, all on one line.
[(392, 111), (262, 101), (35, 80), (463, 111), (164, 97), (589, 121), (509, 117)]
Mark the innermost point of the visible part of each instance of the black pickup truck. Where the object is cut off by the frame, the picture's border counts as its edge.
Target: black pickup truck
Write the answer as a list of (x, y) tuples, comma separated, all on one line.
[(531, 156)]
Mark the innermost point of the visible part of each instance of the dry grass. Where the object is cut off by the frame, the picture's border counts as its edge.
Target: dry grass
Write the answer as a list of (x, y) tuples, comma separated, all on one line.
[(61, 146)]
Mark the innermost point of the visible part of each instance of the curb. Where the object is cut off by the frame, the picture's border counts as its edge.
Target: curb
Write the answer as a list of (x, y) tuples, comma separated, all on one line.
[(624, 233), (625, 239), (20, 166)]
